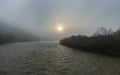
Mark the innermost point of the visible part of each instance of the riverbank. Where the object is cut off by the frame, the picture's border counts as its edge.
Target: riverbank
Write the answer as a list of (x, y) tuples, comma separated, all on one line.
[(107, 44)]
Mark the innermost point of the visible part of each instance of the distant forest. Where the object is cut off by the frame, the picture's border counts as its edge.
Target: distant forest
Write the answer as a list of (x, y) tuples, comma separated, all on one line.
[(103, 41), (9, 34)]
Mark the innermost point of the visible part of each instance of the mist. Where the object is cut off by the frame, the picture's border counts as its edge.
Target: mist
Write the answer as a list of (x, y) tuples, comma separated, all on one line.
[(38, 17), (59, 37)]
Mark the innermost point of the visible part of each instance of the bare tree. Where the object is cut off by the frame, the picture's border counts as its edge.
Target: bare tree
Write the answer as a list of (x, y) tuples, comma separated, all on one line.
[(100, 31)]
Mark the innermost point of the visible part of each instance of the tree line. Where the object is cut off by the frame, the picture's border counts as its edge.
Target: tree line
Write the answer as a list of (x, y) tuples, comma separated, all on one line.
[(102, 41), (9, 34)]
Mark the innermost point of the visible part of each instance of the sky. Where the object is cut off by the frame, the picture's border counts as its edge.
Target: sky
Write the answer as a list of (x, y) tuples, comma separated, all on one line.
[(40, 17)]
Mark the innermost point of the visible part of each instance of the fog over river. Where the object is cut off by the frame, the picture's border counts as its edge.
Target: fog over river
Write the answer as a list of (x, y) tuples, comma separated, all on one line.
[(51, 58)]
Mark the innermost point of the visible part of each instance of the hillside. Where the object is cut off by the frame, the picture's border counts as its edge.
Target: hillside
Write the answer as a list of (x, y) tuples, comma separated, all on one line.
[(11, 34)]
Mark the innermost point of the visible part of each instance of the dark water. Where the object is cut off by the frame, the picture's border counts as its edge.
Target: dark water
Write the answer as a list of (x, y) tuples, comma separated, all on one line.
[(36, 58)]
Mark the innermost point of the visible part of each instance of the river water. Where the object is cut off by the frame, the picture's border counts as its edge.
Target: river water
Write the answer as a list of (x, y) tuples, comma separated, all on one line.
[(49, 58)]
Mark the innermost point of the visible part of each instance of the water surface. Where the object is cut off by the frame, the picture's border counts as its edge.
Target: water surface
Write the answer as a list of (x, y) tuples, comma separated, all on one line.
[(49, 58)]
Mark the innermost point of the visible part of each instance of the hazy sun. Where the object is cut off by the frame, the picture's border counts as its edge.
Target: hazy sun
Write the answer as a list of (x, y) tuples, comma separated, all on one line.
[(60, 28)]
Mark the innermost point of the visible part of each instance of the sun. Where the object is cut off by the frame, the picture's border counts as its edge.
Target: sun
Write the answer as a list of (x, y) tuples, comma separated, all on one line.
[(60, 28)]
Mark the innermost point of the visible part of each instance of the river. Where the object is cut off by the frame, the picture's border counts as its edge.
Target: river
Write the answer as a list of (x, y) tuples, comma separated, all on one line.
[(50, 58)]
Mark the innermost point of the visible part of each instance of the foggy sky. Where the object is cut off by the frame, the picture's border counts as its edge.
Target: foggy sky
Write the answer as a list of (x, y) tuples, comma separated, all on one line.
[(78, 16)]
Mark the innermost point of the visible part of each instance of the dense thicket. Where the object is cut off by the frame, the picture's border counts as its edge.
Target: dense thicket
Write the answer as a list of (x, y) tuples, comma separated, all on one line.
[(103, 41)]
